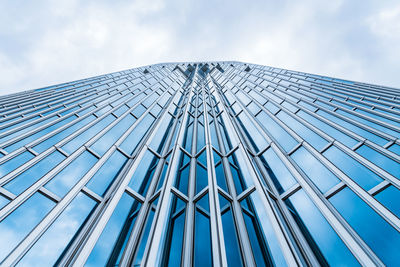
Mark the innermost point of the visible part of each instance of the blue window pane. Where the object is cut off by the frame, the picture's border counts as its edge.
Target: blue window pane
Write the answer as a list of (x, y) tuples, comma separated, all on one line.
[(16, 226), (331, 131), (34, 173), (70, 175), (310, 136), (108, 239), (38, 134), (352, 127), (382, 161), (201, 178), (82, 138), (281, 136), (12, 164), (359, 173), (158, 140), (145, 236), (278, 172), (110, 137), (382, 238), (144, 173), (315, 170), (55, 240), (390, 198), (323, 240), (395, 148), (202, 241), (61, 135), (107, 173), (3, 201), (255, 137), (132, 140), (231, 241)]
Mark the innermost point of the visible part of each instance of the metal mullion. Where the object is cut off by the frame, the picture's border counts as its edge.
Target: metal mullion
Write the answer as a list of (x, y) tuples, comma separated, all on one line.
[(156, 237), (188, 238), (217, 235), (133, 240), (281, 235), (120, 186)]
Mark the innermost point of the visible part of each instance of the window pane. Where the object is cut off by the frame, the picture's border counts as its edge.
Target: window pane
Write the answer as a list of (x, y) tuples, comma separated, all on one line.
[(16, 226), (55, 240), (382, 161), (382, 238), (13, 163), (34, 173), (71, 174)]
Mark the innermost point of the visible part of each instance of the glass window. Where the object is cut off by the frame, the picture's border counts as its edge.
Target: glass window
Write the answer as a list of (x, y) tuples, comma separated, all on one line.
[(329, 130), (382, 161), (202, 236), (137, 134), (315, 170), (110, 137), (355, 170), (82, 138), (71, 174), (390, 198), (63, 134), (144, 173), (122, 219), (382, 238), (16, 225), (12, 164), (255, 137), (107, 173), (55, 240), (34, 173), (39, 134), (278, 133), (278, 172), (231, 242), (323, 240), (310, 136), (158, 141), (395, 148)]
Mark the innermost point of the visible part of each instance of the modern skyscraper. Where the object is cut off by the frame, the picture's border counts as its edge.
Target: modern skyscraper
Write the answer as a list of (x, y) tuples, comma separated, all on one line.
[(223, 164)]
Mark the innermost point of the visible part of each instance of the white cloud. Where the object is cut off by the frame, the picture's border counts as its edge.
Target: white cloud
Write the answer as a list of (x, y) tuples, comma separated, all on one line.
[(49, 42)]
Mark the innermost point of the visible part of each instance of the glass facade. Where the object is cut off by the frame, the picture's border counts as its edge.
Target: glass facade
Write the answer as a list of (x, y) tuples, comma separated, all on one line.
[(204, 164)]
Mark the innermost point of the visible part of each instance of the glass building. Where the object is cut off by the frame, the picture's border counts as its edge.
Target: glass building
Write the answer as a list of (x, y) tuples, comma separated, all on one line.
[(217, 163)]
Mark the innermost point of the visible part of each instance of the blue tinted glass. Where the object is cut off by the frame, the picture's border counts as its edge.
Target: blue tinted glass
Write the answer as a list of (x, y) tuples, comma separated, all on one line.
[(61, 135), (70, 175), (108, 238), (281, 136), (315, 170), (159, 139), (278, 172), (39, 134), (382, 238), (390, 198), (219, 172), (310, 136), (110, 137), (3, 201), (329, 130), (231, 242), (201, 178), (82, 138), (252, 132), (34, 173), (172, 256), (145, 236), (395, 148), (12, 164), (137, 134), (52, 243), (143, 174), (352, 127), (359, 173), (107, 173), (324, 241), (202, 241), (16, 226), (382, 161)]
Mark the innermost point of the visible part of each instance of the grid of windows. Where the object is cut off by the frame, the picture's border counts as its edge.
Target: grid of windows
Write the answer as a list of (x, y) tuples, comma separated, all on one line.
[(218, 163)]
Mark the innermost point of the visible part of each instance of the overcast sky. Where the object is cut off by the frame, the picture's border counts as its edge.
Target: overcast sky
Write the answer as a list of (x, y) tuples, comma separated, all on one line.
[(48, 42)]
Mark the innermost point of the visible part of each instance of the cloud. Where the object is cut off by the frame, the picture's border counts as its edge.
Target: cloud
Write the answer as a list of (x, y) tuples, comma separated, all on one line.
[(49, 42)]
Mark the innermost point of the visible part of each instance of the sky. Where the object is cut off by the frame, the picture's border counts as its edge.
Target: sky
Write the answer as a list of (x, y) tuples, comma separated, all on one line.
[(45, 42)]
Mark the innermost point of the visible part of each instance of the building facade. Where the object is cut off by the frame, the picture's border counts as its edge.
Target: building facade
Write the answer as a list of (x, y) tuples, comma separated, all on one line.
[(205, 164)]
